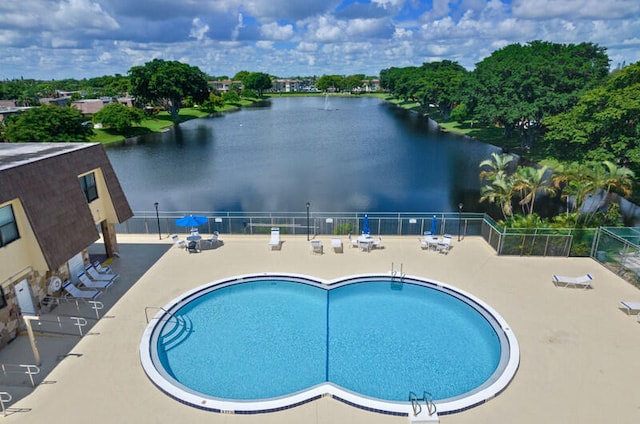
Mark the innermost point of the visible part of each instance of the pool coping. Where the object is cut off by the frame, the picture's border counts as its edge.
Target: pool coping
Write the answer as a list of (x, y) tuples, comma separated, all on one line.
[(501, 378)]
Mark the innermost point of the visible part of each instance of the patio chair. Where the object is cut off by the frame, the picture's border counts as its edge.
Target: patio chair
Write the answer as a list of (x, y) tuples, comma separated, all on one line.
[(424, 243), (274, 243), (92, 284), (336, 244), (631, 307), (192, 247), (316, 246), (73, 291), (177, 241), (377, 244), (352, 241), (96, 276), (444, 244), (583, 281)]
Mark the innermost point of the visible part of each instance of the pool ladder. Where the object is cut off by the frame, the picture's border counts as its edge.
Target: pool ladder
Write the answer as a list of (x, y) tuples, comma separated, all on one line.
[(427, 399), (397, 284)]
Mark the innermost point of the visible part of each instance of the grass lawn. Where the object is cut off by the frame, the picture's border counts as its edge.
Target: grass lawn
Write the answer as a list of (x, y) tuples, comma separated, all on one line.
[(157, 123)]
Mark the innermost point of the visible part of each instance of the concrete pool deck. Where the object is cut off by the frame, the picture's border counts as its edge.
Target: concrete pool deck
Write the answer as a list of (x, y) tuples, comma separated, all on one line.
[(579, 350)]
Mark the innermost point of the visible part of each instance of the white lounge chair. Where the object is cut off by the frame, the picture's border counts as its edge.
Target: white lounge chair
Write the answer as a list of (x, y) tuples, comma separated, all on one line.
[(583, 281), (92, 284), (96, 276), (102, 269), (316, 246), (444, 244), (631, 307), (73, 291), (177, 241), (274, 243)]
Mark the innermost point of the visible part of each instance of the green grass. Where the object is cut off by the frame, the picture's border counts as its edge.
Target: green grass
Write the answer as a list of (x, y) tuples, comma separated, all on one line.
[(157, 123)]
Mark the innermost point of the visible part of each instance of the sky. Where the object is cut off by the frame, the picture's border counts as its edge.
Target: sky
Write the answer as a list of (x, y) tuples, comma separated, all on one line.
[(58, 39)]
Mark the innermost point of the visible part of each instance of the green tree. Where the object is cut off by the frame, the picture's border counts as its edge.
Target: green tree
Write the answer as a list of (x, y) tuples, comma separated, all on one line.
[(48, 124), (603, 125), (168, 83), (212, 103), (519, 86), (330, 83), (257, 81), (530, 182), (118, 116)]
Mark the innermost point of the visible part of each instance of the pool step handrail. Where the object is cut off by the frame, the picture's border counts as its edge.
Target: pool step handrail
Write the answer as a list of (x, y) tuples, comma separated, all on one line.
[(146, 312), (427, 398), (179, 333), (5, 397)]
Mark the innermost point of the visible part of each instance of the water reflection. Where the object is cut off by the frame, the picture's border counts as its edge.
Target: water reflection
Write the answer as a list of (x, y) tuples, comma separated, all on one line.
[(360, 155)]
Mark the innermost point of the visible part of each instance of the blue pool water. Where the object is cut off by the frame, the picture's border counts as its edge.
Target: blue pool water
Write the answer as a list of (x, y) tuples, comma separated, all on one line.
[(273, 337)]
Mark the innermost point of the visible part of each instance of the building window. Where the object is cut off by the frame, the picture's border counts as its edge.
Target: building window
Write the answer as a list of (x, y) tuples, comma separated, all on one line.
[(88, 183), (8, 226)]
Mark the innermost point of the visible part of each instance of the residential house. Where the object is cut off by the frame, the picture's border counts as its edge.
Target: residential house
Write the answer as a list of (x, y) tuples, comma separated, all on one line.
[(56, 199)]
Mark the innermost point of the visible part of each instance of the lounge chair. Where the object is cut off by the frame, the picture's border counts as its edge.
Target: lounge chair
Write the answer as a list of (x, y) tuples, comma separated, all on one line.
[(631, 307), (92, 284), (96, 276), (583, 281), (274, 243), (316, 246), (177, 241), (102, 269), (74, 292), (336, 244), (444, 244)]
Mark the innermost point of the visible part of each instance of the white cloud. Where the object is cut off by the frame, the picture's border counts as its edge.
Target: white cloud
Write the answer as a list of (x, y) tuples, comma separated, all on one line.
[(85, 38), (273, 31), (198, 29)]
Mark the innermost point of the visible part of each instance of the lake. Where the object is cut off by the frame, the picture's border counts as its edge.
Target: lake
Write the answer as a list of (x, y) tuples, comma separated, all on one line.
[(341, 154)]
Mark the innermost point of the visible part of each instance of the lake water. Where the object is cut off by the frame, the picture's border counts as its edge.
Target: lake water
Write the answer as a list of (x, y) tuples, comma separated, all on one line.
[(340, 154)]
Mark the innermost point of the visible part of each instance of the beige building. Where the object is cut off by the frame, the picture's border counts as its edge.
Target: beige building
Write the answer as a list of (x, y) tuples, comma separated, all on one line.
[(56, 199)]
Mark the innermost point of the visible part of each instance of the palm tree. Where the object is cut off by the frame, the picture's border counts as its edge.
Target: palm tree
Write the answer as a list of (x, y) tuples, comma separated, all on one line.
[(500, 191), (530, 181), (496, 166), (607, 179)]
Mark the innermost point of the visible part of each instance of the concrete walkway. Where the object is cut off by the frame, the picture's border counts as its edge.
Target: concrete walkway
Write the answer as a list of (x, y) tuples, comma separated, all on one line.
[(579, 351)]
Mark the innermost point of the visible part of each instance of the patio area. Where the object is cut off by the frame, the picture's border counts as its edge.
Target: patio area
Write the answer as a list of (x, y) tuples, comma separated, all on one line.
[(579, 351)]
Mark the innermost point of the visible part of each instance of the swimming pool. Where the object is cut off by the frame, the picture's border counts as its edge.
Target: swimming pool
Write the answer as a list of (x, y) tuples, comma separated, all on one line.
[(259, 343)]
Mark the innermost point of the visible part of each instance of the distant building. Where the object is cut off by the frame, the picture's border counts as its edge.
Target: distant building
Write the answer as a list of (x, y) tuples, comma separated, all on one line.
[(225, 85), (56, 199), (91, 106)]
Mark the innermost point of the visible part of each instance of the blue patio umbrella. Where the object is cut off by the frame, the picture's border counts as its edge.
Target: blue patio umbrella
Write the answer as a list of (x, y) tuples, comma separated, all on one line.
[(191, 220), (365, 226), (434, 225)]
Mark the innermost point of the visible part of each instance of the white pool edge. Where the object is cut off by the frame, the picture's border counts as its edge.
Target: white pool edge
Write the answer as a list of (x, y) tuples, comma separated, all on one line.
[(444, 407)]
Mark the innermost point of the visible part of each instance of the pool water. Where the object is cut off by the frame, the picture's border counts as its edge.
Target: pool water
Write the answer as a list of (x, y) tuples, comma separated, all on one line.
[(273, 337)]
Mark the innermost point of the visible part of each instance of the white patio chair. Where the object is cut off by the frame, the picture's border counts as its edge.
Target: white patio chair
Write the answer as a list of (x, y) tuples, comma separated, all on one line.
[(444, 244), (275, 243), (316, 246)]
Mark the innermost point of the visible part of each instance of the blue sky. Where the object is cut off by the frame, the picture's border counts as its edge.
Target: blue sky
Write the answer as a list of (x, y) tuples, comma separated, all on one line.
[(56, 39)]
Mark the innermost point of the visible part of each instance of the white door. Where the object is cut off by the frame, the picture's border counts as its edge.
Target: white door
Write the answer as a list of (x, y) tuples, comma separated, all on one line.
[(25, 300)]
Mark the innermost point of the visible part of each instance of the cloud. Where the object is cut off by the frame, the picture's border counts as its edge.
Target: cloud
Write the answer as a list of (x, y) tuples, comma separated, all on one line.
[(273, 31), (85, 38), (198, 29)]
